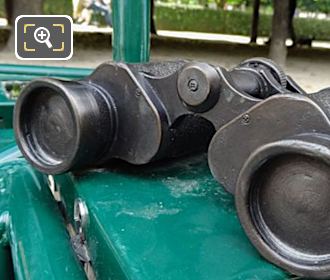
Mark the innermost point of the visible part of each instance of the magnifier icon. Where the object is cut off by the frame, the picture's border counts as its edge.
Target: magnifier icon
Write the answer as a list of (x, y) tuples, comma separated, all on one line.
[(41, 35)]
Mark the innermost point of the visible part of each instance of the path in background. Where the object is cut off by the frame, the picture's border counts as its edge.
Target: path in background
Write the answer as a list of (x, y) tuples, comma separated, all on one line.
[(309, 67), (215, 37)]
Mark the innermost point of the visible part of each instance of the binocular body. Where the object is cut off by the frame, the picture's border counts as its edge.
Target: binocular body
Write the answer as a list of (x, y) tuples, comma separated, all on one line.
[(267, 140)]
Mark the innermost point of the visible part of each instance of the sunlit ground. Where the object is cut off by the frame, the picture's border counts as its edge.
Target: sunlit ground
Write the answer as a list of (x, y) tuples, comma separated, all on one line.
[(228, 38)]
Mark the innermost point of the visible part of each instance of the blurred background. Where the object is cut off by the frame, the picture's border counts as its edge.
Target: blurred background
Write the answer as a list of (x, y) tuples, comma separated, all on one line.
[(295, 33)]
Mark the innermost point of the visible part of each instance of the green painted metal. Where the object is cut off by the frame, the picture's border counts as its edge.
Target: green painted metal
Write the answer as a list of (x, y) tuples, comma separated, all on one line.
[(167, 221), (9, 154), (13, 72), (6, 114), (6, 266), (7, 139), (6, 109), (131, 30), (40, 245), (6, 269)]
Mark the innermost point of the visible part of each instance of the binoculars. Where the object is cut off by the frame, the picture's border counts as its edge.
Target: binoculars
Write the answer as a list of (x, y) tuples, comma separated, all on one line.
[(268, 140)]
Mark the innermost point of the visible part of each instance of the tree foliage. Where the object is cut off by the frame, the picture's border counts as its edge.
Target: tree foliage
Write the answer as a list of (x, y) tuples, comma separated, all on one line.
[(314, 5), (304, 5)]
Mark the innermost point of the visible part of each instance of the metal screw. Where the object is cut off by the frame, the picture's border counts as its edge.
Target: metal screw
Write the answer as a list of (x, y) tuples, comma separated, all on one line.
[(246, 119), (193, 85), (80, 215), (137, 92)]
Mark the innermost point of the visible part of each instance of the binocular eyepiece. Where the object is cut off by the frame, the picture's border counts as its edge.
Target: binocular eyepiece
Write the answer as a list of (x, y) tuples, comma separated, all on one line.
[(267, 140)]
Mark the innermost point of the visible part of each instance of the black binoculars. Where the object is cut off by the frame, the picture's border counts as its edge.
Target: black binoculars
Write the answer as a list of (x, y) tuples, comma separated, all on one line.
[(267, 140)]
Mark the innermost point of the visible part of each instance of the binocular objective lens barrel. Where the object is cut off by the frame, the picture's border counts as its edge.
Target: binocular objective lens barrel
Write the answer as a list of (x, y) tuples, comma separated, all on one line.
[(63, 126)]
